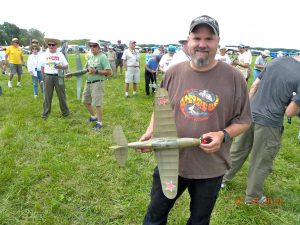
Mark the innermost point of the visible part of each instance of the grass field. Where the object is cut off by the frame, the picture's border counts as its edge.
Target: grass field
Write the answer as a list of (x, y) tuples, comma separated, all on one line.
[(60, 171)]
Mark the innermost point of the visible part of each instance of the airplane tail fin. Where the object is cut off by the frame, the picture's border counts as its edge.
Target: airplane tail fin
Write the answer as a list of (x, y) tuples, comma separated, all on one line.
[(121, 148)]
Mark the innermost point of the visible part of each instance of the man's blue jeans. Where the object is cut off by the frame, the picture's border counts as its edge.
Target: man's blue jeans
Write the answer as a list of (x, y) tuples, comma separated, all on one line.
[(36, 81), (203, 194)]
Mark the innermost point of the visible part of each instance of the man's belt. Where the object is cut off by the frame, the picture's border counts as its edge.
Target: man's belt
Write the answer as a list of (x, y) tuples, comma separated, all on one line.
[(52, 74), (133, 66), (94, 81)]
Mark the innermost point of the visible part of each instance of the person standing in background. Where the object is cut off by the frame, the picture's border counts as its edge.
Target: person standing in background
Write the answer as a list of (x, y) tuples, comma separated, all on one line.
[(243, 61), (112, 57), (34, 69), (131, 60), (98, 68), (119, 62), (222, 56), (182, 55), (14, 58), (260, 63)]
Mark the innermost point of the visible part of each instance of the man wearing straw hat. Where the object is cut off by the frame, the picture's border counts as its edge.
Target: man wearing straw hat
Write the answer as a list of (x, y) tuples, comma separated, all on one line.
[(51, 62)]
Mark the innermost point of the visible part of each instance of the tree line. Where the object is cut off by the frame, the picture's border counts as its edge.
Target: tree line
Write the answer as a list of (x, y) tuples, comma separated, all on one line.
[(9, 31)]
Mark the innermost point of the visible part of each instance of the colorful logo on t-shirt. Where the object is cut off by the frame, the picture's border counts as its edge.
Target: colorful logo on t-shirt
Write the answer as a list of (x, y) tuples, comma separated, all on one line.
[(197, 104)]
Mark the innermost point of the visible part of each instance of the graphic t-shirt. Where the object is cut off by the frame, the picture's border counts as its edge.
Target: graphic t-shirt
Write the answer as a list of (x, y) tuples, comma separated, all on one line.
[(206, 102)]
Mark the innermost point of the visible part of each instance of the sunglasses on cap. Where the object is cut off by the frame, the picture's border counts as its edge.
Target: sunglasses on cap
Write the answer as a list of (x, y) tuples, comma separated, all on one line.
[(51, 44), (93, 46)]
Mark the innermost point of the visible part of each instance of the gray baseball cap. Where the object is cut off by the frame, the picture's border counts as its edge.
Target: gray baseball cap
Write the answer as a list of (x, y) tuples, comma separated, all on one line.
[(205, 20)]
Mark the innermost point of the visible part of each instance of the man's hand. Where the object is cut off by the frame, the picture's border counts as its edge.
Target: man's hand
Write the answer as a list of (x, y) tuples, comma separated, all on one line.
[(68, 75), (58, 66), (92, 70), (211, 142), (145, 137)]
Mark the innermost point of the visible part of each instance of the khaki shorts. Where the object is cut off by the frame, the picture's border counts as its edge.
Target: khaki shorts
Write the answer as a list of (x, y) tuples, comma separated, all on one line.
[(15, 68), (132, 75), (93, 93)]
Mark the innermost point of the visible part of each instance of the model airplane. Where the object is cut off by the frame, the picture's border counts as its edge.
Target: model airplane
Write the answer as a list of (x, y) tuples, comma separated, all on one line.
[(77, 73), (79, 77), (164, 143)]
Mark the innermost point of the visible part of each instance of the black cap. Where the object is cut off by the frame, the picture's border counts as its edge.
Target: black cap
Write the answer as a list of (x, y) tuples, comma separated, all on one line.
[(205, 20)]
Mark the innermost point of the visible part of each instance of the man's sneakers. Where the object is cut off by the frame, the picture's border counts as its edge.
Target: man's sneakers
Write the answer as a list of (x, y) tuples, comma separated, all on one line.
[(9, 84), (93, 119), (98, 126), (127, 94), (255, 201)]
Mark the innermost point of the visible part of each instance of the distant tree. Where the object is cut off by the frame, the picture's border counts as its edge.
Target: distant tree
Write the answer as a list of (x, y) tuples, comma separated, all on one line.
[(23, 37), (35, 34), (10, 31), (77, 42)]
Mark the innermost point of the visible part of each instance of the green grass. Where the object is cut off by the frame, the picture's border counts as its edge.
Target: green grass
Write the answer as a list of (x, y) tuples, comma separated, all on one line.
[(60, 171)]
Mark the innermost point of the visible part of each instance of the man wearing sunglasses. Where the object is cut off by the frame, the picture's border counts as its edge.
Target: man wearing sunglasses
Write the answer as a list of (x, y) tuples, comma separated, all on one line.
[(98, 68), (14, 58), (51, 61)]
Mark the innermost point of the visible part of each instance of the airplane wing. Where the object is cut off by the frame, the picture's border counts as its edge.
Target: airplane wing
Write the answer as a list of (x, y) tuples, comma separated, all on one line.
[(167, 160)]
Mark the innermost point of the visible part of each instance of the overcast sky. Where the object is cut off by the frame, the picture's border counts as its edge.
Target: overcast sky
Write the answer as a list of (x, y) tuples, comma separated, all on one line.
[(259, 23)]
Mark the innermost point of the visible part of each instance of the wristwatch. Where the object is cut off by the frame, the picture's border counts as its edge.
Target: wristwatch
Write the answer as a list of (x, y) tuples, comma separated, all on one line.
[(226, 136)]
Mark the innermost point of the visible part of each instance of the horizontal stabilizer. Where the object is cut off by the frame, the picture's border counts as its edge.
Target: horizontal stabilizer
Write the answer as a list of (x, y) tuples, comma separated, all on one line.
[(121, 150)]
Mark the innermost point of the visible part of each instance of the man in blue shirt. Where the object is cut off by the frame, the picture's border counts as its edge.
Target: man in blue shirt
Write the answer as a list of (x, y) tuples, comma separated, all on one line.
[(150, 73)]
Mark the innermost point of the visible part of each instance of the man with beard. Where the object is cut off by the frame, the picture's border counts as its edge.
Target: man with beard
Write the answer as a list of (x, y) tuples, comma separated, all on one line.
[(209, 99)]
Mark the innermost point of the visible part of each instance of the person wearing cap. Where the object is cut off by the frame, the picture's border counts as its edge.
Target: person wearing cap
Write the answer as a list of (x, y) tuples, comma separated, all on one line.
[(34, 41), (204, 105), (149, 55), (182, 55), (243, 61), (151, 69), (222, 56), (51, 61), (119, 62), (112, 57), (34, 69), (98, 68), (166, 59), (279, 54), (159, 51), (274, 94), (260, 63), (14, 58), (131, 61)]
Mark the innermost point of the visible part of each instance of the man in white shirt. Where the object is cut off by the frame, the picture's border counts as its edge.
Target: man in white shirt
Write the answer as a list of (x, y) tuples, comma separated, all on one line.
[(222, 56), (182, 55), (131, 63), (51, 62), (243, 61)]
